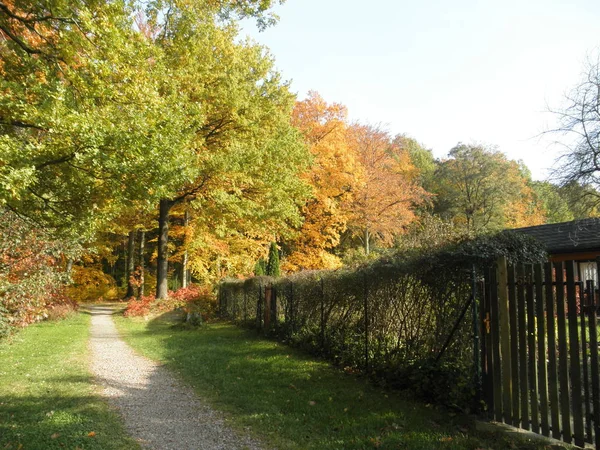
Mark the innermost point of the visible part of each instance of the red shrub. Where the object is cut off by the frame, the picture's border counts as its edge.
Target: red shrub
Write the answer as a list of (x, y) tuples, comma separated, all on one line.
[(139, 308), (192, 299)]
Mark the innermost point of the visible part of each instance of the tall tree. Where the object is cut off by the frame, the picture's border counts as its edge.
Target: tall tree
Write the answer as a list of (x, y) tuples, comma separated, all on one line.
[(422, 158), (273, 269), (334, 175), (555, 206), (141, 266), (583, 200), (239, 120), (130, 265), (384, 202), (481, 190), (579, 123), (83, 127)]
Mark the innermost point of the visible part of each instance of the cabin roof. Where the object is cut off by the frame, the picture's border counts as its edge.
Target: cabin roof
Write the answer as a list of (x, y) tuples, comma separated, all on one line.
[(566, 237)]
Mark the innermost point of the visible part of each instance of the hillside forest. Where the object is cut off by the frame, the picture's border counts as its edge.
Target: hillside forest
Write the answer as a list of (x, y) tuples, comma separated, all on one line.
[(146, 146)]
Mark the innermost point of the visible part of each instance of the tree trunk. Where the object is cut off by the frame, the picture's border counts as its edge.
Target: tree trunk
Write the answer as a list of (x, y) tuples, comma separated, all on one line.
[(142, 235), (184, 262), (162, 263), (130, 265), (70, 270), (367, 237), (121, 266)]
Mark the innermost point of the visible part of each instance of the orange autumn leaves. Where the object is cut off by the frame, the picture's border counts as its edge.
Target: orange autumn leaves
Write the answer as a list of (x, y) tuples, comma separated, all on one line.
[(363, 184)]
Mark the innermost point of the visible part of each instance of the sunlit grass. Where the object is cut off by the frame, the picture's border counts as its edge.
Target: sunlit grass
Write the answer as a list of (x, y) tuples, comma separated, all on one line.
[(293, 401), (47, 396)]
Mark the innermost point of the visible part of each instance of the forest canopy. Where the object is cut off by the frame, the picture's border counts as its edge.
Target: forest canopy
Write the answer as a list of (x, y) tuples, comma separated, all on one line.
[(146, 145)]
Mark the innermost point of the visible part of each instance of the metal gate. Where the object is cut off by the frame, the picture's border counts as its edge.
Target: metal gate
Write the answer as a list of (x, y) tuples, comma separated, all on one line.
[(539, 353)]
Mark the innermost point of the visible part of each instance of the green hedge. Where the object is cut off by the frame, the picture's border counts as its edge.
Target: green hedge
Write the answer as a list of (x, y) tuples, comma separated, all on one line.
[(390, 318)]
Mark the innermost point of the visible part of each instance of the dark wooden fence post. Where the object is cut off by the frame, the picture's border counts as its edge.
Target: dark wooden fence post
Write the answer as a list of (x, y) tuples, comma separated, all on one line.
[(503, 319), (292, 323), (366, 313), (322, 314), (476, 336), (514, 345), (273, 306), (259, 302), (584, 298), (267, 307), (497, 385), (575, 361), (531, 347), (220, 299), (594, 360), (487, 379), (552, 359), (522, 327), (541, 341), (563, 350), (245, 303)]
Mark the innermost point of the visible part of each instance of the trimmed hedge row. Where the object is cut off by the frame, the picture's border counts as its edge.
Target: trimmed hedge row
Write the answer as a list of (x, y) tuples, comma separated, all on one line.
[(389, 319)]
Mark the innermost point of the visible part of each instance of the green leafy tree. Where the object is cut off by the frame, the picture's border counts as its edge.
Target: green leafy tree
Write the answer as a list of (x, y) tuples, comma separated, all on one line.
[(480, 190), (422, 158), (583, 200), (260, 268), (555, 205), (246, 155), (273, 269), (84, 126)]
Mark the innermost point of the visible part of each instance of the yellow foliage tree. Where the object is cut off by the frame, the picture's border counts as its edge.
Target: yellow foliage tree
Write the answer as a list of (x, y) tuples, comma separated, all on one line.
[(385, 200), (334, 176)]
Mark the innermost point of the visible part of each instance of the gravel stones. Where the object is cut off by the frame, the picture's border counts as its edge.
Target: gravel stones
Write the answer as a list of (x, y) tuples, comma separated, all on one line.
[(158, 410)]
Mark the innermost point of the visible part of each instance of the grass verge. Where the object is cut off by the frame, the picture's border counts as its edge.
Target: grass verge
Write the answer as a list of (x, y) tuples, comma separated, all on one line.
[(292, 401), (47, 396)]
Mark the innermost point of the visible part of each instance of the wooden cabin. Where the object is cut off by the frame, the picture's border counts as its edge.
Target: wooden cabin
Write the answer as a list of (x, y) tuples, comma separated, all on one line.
[(578, 240)]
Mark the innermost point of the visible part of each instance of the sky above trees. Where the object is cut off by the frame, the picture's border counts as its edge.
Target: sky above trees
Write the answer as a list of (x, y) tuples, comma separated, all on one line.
[(466, 72)]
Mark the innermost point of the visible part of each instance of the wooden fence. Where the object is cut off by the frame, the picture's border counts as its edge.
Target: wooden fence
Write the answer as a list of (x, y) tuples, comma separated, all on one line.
[(539, 354)]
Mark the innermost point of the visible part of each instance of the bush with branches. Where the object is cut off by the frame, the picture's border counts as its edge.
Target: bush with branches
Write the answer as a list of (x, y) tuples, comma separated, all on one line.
[(389, 318)]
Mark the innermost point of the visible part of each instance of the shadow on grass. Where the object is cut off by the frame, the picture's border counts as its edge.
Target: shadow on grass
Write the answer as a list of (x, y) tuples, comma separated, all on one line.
[(58, 422), (295, 401)]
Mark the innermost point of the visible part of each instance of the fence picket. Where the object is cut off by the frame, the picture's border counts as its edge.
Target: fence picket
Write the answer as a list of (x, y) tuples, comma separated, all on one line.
[(497, 366), (552, 359), (514, 342), (574, 360), (584, 301), (592, 324), (563, 355), (487, 348), (541, 341), (522, 320), (507, 358), (531, 348)]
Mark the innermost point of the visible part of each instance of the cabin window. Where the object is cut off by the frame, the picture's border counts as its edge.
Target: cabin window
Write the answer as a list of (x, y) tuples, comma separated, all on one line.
[(589, 271)]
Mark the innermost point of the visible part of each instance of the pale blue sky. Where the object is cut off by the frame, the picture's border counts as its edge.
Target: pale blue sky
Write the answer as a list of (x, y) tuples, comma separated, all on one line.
[(441, 71)]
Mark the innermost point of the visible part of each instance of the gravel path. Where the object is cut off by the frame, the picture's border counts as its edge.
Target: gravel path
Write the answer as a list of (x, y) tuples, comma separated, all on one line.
[(158, 410)]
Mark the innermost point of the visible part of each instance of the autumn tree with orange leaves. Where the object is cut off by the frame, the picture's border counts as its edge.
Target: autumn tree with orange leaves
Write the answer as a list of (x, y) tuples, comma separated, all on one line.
[(386, 198), (334, 176)]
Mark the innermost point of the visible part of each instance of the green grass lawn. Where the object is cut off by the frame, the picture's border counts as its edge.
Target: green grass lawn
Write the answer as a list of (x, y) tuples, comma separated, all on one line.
[(47, 396), (293, 401)]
